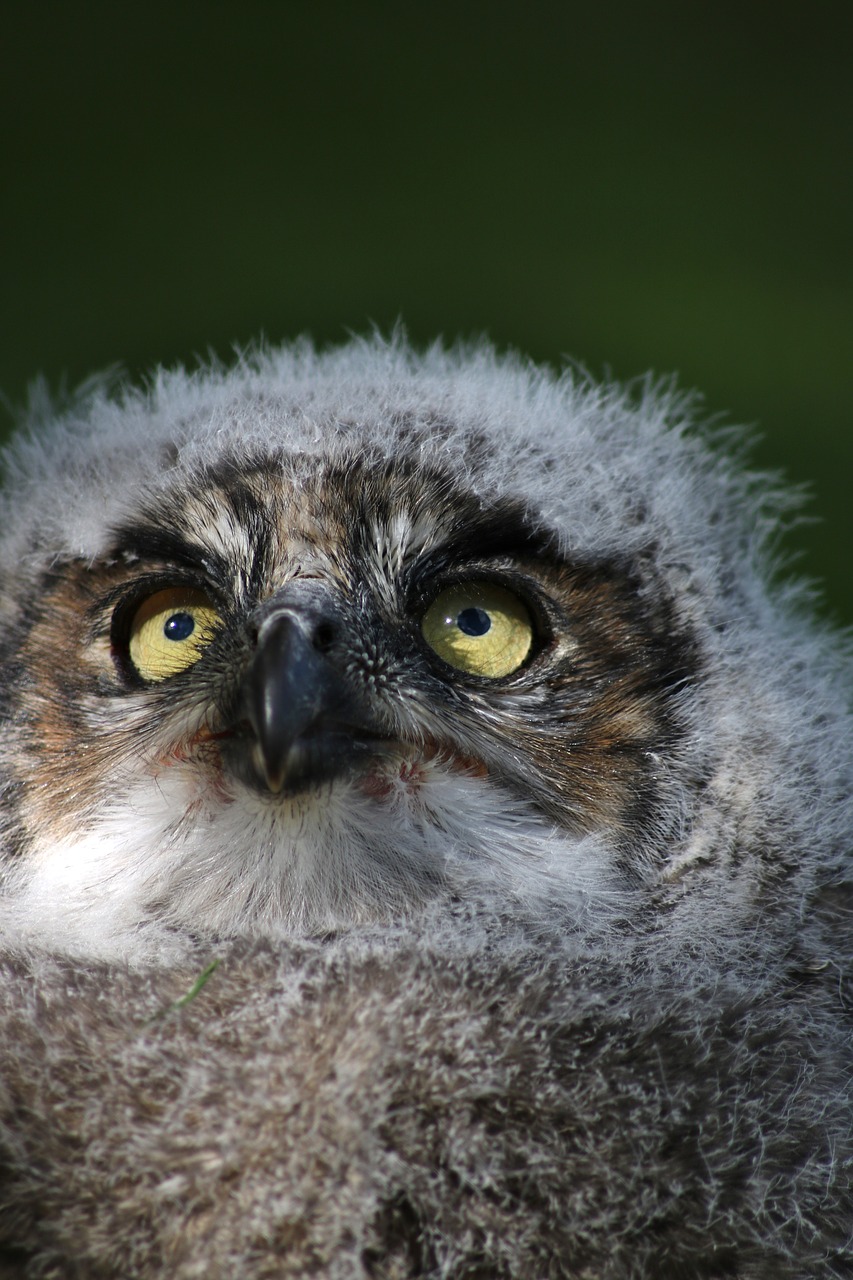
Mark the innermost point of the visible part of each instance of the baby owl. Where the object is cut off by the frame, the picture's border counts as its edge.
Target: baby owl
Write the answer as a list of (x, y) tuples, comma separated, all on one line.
[(425, 835)]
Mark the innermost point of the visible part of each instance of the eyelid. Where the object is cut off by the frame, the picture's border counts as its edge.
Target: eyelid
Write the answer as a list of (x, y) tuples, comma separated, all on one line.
[(522, 584), (124, 599)]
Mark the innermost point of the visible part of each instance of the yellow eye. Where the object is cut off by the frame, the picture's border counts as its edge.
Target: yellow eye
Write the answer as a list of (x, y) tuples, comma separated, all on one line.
[(480, 628), (170, 632)]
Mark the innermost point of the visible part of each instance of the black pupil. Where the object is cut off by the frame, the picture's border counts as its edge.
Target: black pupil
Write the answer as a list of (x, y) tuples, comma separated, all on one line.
[(473, 621), (179, 627)]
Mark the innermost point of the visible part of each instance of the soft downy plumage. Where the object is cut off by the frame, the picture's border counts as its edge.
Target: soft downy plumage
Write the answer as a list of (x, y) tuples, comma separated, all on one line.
[(540, 973)]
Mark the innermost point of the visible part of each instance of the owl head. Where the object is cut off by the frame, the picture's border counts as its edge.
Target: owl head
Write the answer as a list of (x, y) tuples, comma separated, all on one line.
[(326, 639)]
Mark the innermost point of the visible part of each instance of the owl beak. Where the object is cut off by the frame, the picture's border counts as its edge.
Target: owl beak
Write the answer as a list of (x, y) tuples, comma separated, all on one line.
[(307, 725)]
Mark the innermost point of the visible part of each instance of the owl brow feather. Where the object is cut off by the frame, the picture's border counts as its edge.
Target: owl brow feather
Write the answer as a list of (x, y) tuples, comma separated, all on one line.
[(502, 530), (151, 537), (163, 546)]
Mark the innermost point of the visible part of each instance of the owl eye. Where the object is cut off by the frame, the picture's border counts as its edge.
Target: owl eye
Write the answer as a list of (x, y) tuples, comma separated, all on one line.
[(480, 628), (170, 631)]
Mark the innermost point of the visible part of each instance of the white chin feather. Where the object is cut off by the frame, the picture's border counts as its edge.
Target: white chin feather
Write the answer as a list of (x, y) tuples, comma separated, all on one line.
[(253, 866)]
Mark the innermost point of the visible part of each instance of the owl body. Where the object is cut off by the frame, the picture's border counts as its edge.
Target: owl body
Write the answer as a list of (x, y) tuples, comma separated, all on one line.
[(452, 709)]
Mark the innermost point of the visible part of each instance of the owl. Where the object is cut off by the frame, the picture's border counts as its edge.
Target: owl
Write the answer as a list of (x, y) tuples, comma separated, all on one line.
[(424, 836)]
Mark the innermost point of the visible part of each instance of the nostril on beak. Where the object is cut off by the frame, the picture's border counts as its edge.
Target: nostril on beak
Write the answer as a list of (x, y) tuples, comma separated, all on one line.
[(323, 637)]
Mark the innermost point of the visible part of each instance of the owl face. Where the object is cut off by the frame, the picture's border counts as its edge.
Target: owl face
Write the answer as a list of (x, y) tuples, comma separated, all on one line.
[(291, 694)]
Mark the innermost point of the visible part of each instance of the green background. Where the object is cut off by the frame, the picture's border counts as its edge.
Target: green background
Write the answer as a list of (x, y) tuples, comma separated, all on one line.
[(666, 187)]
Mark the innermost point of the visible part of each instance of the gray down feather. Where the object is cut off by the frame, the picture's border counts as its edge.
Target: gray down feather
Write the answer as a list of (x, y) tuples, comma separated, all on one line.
[(490, 1088)]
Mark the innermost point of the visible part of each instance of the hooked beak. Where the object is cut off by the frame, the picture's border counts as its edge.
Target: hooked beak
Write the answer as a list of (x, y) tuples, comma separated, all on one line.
[(308, 725)]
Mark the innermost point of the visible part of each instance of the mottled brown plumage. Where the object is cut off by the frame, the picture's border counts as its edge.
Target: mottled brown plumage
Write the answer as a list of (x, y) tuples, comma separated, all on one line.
[(425, 838)]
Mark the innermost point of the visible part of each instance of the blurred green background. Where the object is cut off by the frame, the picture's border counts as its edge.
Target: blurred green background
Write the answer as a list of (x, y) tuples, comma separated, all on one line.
[(666, 187)]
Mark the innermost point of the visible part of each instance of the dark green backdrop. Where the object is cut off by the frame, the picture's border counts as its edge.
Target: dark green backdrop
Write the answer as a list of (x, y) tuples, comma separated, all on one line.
[(667, 186)]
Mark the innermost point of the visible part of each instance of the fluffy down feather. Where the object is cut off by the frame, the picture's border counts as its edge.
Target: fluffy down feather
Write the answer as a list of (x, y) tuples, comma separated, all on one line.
[(493, 1083)]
